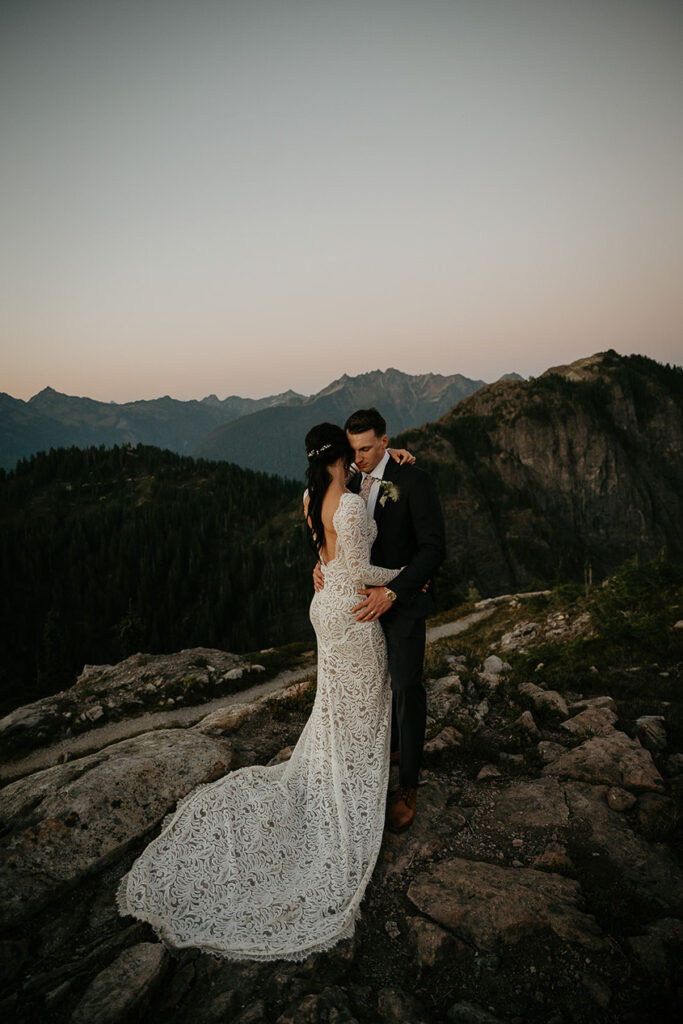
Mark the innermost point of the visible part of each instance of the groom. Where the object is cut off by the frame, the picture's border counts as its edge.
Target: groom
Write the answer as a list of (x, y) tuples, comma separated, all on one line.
[(410, 532)]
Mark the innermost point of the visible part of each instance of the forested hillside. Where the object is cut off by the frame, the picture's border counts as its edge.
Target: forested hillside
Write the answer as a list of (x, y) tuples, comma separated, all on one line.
[(107, 552)]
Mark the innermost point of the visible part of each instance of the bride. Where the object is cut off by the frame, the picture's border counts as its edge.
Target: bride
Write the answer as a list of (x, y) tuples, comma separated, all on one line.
[(271, 862)]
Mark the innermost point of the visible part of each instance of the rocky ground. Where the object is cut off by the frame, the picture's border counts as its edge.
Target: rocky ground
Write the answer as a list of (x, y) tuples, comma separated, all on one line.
[(542, 879)]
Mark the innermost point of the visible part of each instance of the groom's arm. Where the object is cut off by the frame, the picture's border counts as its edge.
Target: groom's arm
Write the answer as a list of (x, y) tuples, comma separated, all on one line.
[(424, 510)]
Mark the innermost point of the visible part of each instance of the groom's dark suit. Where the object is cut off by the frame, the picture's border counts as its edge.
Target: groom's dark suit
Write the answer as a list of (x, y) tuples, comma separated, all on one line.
[(410, 532)]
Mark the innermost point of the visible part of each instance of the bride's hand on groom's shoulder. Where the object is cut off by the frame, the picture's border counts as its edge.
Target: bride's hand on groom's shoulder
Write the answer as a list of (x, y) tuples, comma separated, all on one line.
[(402, 455)]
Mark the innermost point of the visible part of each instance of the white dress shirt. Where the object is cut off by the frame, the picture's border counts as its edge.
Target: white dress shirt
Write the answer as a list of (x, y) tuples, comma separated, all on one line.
[(378, 472)]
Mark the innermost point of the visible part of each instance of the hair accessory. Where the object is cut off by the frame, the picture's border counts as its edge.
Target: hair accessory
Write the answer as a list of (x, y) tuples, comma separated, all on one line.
[(318, 451)]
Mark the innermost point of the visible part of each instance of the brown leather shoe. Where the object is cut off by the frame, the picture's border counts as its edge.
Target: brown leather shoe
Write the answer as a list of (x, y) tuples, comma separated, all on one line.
[(402, 809)]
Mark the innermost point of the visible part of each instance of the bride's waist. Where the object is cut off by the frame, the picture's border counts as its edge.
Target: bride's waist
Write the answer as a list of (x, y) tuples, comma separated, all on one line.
[(338, 583)]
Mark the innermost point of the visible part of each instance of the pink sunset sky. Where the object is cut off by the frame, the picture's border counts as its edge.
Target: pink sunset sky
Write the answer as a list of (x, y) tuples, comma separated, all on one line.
[(243, 197)]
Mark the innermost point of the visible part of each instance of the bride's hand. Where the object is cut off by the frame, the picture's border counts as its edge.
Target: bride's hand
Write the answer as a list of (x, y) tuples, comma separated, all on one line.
[(401, 455)]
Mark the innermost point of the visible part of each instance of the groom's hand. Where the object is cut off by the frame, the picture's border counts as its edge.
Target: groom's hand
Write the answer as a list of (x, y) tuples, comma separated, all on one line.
[(375, 604), (318, 578)]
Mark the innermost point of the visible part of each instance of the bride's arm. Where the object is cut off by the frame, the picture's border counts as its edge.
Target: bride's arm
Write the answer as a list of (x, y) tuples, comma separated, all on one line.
[(402, 455), (352, 531)]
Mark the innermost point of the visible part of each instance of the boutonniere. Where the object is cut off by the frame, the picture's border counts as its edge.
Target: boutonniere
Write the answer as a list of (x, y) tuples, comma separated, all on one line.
[(388, 491)]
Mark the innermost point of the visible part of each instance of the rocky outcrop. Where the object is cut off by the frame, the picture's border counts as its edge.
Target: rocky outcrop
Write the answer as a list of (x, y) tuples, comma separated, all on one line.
[(490, 907), (63, 823), (636, 872), (614, 759), (575, 470), (108, 693), (540, 872), (125, 987)]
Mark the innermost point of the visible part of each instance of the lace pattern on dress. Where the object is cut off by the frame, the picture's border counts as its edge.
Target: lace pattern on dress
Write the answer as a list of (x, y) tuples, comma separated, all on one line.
[(272, 862)]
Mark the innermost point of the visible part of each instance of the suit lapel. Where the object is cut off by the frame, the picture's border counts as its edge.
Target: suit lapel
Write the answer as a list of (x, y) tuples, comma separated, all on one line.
[(389, 474)]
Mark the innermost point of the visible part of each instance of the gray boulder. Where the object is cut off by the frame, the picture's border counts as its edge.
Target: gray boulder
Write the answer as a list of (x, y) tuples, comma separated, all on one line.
[(522, 634), (529, 803), (64, 822), (639, 871), (125, 987), (491, 906), (651, 732), (615, 759), (550, 701), (591, 722)]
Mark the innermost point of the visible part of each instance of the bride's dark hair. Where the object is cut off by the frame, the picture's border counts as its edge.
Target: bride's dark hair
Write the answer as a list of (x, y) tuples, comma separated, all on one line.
[(325, 443)]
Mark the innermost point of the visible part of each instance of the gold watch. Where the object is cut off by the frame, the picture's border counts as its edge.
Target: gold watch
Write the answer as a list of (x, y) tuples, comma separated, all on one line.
[(390, 594)]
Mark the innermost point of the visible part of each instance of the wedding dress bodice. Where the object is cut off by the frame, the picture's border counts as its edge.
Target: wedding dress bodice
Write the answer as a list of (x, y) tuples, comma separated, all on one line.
[(350, 569)]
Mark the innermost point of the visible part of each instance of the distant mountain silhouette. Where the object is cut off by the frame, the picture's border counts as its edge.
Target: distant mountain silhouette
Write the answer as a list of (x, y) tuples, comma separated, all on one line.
[(272, 440), (51, 419)]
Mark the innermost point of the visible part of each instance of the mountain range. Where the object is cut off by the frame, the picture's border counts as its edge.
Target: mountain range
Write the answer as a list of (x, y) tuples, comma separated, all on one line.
[(51, 419), (273, 439), (263, 434), (560, 478)]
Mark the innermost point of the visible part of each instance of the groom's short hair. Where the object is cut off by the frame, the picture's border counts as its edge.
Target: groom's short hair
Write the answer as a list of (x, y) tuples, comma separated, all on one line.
[(366, 419)]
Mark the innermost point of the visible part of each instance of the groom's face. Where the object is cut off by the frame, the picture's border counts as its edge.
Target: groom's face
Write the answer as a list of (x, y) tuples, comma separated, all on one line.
[(368, 449)]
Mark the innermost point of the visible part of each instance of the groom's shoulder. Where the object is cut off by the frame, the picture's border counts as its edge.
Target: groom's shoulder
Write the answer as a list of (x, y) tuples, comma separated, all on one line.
[(411, 475)]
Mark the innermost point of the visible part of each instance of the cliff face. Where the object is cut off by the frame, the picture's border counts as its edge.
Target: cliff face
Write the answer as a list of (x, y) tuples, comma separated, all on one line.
[(541, 479)]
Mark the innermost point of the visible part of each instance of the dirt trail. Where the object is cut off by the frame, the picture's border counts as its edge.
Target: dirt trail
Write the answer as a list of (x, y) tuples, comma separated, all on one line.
[(95, 739), (458, 626)]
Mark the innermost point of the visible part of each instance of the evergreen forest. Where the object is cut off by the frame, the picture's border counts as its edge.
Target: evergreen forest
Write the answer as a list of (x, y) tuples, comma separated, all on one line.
[(108, 551)]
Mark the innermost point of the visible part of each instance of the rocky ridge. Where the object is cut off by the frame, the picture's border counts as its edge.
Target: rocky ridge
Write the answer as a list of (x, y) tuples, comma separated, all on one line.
[(569, 472), (108, 693), (541, 880)]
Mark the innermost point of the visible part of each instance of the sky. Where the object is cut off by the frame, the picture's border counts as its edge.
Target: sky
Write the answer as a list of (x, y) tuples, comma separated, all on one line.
[(244, 197)]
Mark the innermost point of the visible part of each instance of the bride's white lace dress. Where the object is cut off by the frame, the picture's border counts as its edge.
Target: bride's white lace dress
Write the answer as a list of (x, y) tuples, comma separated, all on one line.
[(272, 862)]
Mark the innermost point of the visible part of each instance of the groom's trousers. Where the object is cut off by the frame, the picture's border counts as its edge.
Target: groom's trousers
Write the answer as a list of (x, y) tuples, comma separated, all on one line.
[(405, 652)]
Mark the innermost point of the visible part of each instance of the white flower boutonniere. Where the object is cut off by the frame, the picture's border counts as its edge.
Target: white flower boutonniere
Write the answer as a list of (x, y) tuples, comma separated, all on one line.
[(388, 491)]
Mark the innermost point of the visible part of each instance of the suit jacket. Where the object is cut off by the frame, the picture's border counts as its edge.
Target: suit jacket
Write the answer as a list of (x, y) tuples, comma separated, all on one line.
[(410, 532)]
